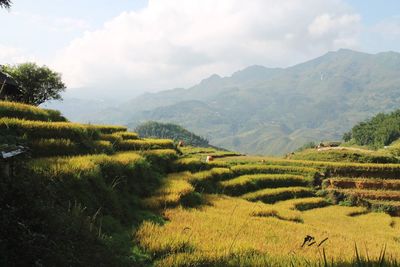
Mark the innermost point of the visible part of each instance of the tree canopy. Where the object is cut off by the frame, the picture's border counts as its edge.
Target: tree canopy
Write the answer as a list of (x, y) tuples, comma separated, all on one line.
[(37, 84), (5, 3), (379, 131), (170, 131)]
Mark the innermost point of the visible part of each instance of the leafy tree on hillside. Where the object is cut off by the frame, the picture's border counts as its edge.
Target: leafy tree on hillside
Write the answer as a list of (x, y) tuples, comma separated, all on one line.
[(376, 132), (170, 131), (5, 3), (37, 84)]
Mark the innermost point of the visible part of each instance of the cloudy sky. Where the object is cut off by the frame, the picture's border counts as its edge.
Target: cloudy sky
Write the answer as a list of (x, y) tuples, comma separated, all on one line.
[(133, 46)]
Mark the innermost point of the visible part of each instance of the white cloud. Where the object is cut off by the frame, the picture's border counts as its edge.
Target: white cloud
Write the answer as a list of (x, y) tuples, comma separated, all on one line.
[(178, 42), (14, 55)]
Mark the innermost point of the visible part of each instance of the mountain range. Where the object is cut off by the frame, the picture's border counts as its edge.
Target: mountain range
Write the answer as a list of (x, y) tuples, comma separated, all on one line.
[(263, 110)]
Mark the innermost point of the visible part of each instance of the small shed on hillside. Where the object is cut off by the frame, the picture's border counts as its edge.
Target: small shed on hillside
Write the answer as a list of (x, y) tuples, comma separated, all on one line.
[(8, 86), (8, 157)]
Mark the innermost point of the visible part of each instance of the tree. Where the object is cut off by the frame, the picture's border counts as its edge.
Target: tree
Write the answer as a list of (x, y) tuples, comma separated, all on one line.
[(5, 3), (37, 84)]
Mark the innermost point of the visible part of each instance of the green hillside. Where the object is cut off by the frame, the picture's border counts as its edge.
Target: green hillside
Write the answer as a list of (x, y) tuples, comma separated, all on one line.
[(170, 131), (377, 132)]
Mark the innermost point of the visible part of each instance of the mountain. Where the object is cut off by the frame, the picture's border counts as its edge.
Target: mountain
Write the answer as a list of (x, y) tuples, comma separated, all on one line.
[(275, 110)]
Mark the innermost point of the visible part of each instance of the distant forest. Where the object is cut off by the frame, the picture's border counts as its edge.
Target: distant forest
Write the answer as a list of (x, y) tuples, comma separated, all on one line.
[(381, 130), (170, 131)]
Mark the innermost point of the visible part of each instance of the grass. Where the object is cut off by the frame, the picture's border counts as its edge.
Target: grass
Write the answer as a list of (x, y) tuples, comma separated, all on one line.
[(272, 195), (246, 183), (228, 227)]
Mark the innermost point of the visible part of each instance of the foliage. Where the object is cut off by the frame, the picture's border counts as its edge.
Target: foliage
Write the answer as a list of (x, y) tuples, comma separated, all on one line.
[(379, 131), (5, 3), (36, 84), (170, 131), (306, 146)]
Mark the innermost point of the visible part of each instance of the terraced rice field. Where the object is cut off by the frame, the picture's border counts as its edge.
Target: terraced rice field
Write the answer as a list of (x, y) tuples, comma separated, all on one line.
[(234, 211), (262, 209)]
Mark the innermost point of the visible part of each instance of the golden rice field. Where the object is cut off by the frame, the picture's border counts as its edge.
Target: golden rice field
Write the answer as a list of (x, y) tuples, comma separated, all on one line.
[(228, 227), (275, 207), (234, 211)]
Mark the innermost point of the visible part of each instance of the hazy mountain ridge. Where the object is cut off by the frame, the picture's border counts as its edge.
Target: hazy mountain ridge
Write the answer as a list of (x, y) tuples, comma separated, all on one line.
[(273, 111)]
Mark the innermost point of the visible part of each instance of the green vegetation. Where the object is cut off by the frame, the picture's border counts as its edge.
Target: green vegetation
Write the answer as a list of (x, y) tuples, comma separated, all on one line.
[(271, 195), (267, 111), (5, 3), (28, 112), (381, 130), (89, 195), (36, 84), (343, 154), (175, 132), (247, 183)]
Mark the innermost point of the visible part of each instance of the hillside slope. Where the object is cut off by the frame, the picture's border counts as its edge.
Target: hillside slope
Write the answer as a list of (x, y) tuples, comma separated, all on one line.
[(273, 111)]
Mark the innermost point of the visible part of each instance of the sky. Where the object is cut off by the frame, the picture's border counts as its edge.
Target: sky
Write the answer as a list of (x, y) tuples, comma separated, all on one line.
[(127, 47)]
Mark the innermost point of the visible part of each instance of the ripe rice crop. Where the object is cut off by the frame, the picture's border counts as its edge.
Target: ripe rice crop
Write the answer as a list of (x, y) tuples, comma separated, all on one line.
[(144, 144), (40, 129), (377, 170), (276, 194), (362, 183), (370, 194), (107, 129), (247, 183), (79, 166), (303, 203), (169, 153), (206, 180), (127, 135), (29, 112), (345, 155), (113, 138), (173, 189), (214, 234), (272, 169), (215, 174), (54, 147), (190, 164)]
